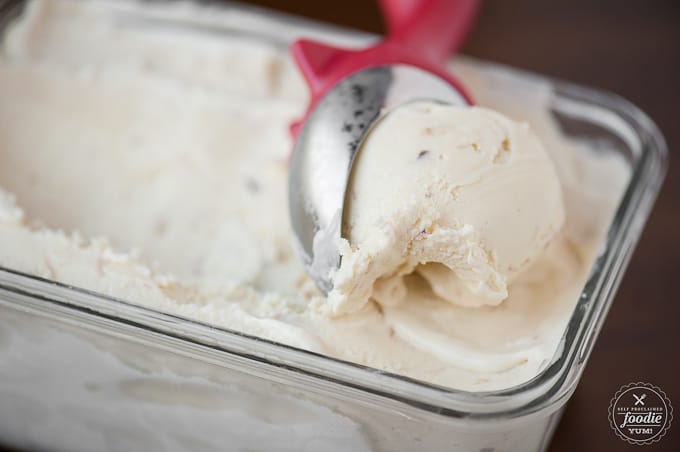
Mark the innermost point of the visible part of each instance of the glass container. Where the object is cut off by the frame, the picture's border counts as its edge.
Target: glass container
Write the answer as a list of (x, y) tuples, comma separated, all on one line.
[(83, 371)]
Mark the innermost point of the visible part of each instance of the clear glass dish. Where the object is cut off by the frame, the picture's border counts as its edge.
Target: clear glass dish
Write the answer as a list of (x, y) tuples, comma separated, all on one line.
[(82, 371)]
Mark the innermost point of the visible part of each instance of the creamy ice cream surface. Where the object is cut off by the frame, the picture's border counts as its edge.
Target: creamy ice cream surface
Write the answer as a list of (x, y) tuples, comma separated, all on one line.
[(464, 196), (148, 162)]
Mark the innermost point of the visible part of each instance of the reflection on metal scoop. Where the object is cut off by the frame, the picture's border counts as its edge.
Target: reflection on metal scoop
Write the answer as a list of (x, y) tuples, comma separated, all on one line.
[(351, 91)]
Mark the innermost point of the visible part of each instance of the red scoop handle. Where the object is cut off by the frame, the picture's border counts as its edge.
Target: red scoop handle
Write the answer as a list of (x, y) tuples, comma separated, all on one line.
[(432, 28), (421, 33)]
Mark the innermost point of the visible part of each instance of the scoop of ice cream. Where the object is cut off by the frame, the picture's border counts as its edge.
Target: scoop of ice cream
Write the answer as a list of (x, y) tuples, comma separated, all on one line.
[(462, 195)]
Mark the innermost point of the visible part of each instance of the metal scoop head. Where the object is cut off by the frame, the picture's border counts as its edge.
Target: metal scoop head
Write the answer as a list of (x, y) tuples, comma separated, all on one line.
[(351, 91)]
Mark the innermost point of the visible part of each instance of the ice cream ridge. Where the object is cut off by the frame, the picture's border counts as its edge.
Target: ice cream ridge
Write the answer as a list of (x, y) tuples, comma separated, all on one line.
[(464, 197)]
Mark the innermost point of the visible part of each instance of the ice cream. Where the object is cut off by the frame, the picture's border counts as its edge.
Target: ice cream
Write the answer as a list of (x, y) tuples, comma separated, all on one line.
[(464, 196), (149, 162)]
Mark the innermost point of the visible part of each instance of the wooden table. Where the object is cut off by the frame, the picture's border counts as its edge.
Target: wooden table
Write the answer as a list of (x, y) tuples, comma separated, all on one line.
[(631, 47)]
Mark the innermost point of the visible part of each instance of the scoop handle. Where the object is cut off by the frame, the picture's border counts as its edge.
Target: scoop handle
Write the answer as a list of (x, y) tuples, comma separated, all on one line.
[(432, 28), (421, 33)]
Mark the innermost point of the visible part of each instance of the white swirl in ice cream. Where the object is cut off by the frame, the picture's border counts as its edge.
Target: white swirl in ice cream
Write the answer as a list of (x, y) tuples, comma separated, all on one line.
[(464, 196)]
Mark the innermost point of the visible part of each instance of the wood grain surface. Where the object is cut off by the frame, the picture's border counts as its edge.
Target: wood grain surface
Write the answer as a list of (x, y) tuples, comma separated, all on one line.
[(630, 47)]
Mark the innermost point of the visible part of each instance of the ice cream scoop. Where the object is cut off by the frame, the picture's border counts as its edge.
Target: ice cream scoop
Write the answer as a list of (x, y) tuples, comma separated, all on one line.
[(351, 90), (463, 196)]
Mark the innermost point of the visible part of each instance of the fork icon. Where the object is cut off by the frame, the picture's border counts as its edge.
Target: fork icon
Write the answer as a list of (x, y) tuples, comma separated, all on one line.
[(639, 400)]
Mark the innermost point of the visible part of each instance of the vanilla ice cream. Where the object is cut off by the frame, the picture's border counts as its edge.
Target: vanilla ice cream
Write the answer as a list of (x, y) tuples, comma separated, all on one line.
[(465, 196), (147, 161)]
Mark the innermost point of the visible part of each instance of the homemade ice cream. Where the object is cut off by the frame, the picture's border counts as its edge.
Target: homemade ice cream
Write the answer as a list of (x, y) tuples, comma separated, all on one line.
[(147, 161), (465, 196)]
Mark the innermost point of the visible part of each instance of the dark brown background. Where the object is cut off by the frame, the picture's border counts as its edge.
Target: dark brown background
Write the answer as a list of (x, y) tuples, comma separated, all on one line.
[(631, 47)]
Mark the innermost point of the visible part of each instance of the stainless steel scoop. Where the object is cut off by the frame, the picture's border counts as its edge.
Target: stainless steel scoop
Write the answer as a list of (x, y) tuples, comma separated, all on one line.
[(351, 91)]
